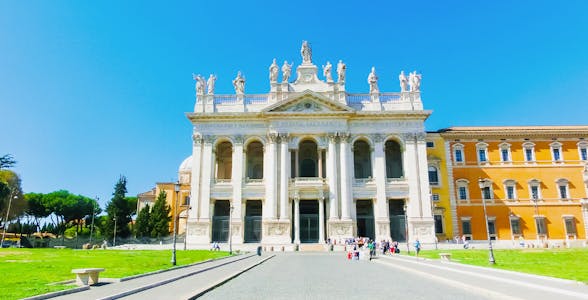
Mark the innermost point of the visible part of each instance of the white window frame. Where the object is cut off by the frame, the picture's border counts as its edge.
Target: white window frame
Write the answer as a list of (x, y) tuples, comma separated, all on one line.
[(569, 235), (435, 197), (493, 236), (487, 184), (529, 146), (517, 218), (462, 183), (510, 183), (562, 182), (438, 183), (582, 145), (505, 146), (459, 147), (482, 147), (541, 235), (468, 219), (553, 146), (537, 183)]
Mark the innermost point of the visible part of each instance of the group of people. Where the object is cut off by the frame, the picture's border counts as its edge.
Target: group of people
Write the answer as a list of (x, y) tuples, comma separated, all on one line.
[(356, 245)]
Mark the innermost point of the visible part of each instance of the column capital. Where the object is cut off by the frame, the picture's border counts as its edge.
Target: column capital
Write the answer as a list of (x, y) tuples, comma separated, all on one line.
[(272, 138), (284, 137), (209, 139), (377, 138), (197, 139), (238, 139), (332, 137), (344, 137)]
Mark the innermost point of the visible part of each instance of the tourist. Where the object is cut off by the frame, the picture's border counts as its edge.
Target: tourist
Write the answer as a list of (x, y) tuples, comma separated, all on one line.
[(417, 247)]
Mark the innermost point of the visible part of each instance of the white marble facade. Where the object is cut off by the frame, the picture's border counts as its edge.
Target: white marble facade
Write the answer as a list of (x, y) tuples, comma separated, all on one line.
[(293, 155)]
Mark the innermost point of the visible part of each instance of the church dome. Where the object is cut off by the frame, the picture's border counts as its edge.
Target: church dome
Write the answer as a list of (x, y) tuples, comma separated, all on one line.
[(186, 165)]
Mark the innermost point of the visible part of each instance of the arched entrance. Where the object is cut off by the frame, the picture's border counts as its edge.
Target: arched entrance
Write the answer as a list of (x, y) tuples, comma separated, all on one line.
[(365, 219), (309, 221), (308, 159)]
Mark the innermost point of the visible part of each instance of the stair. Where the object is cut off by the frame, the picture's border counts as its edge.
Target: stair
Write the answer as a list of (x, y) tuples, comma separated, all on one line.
[(313, 247)]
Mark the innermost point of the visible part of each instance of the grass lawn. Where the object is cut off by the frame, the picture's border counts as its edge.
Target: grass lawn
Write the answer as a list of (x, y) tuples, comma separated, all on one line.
[(561, 263), (26, 272)]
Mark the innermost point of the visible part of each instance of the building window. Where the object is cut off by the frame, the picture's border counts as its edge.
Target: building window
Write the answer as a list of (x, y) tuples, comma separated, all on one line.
[(462, 189), (510, 188), (433, 175), (492, 228), (458, 153), (515, 225), (435, 197), (562, 187), (556, 153), (186, 200), (430, 144), (583, 150), (482, 152), (505, 152), (541, 225), (466, 226), (487, 190), (570, 224), (534, 189), (529, 152), (438, 224)]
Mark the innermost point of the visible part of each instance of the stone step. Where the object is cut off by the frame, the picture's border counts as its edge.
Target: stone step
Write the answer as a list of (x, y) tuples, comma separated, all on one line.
[(313, 247)]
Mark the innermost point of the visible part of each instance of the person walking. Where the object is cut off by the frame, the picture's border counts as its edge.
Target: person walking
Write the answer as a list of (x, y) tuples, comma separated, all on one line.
[(417, 247)]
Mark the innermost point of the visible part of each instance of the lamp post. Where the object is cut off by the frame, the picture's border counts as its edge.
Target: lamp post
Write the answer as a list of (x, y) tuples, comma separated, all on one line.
[(230, 231), (93, 213), (482, 184), (177, 190), (406, 228), (114, 240), (12, 196)]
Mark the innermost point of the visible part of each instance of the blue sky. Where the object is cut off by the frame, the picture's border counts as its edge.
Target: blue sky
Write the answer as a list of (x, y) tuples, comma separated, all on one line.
[(92, 90)]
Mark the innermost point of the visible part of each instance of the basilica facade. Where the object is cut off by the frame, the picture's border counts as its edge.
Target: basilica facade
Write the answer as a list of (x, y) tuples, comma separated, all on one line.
[(307, 162)]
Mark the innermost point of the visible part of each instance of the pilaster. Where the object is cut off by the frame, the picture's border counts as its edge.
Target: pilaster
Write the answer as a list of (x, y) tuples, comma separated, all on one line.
[(207, 170), (346, 177), (284, 176), (381, 211), (332, 178), (269, 174), (237, 180)]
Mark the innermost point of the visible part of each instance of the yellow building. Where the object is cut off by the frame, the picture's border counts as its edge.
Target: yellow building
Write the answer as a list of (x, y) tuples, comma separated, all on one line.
[(532, 180), (439, 183)]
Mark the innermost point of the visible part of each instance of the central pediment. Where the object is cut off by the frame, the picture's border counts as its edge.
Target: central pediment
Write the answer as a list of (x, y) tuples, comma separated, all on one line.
[(308, 102)]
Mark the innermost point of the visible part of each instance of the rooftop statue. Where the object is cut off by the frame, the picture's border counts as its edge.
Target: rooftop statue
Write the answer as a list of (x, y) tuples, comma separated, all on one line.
[(239, 84), (200, 84), (403, 82), (286, 71), (327, 72), (306, 53), (273, 70), (414, 80), (210, 84), (373, 81), (341, 71)]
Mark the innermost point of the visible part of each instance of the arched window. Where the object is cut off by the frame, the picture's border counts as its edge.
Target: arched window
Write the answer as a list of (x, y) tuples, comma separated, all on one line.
[(433, 175), (254, 162), (362, 159), (308, 159), (393, 160), (224, 160)]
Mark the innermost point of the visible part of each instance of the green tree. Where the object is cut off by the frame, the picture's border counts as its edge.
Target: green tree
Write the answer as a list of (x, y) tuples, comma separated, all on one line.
[(7, 161), (118, 208), (10, 195), (143, 222), (36, 208), (160, 216), (68, 209)]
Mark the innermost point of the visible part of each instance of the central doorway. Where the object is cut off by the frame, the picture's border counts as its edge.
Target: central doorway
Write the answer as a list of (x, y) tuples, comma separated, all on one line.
[(397, 220), (365, 219), (253, 221), (309, 221), (220, 221)]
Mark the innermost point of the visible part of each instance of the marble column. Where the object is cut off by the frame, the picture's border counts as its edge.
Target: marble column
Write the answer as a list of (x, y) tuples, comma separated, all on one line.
[(381, 209), (296, 220), (297, 167), (207, 171), (284, 176), (320, 162), (321, 204), (332, 177), (237, 180), (195, 178), (346, 184), (269, 175)]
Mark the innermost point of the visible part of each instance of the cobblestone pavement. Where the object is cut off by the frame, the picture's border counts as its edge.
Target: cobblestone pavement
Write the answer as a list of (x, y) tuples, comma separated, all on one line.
[(332, 276)]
